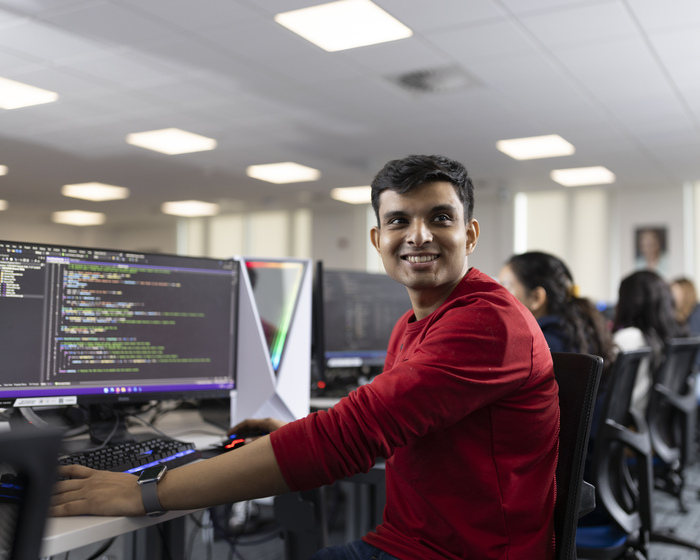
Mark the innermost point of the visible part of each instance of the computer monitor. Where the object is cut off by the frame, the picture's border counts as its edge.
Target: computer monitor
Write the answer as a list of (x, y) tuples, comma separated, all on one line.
[(360, 310), (84, 325), (274, 338)]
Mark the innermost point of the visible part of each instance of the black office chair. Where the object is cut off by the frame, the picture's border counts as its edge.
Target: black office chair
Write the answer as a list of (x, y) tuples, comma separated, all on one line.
[(28, 460), (672, 415), (578, 376), (622, 475)]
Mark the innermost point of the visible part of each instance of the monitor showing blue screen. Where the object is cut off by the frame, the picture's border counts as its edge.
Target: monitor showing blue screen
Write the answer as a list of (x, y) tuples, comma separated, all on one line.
[(91, 325)]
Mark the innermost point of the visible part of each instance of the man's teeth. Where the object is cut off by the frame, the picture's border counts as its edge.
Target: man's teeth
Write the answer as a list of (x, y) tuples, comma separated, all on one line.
[(421, 258)]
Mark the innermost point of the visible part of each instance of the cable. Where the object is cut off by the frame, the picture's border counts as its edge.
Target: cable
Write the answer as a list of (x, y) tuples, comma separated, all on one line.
[(100, 551)]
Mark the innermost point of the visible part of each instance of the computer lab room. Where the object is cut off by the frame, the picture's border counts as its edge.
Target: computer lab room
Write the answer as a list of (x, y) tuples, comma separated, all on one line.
[(210, 323)]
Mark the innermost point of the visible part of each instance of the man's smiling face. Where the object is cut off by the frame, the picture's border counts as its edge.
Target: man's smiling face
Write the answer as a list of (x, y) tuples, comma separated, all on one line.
[(423, 239)]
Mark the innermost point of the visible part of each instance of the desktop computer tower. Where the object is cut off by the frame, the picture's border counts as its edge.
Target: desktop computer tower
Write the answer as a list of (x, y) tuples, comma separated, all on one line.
[(261, 390)]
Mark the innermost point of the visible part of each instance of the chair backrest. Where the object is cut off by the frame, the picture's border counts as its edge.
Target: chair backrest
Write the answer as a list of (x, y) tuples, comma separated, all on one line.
[(578, 376), (28, 459), (617, 447), (671, 413)]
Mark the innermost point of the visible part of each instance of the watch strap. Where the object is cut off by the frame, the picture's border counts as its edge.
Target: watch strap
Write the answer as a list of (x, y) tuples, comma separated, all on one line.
[(149, 497)]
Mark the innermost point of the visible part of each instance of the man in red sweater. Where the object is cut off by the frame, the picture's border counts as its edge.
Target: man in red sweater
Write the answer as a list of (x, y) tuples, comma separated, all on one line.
[(465, 412)]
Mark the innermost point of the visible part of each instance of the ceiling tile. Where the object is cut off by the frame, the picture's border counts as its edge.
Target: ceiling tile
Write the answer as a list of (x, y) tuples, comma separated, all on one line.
[(655, 15), (43, 41), (191, 16), (499, 39), (441, 14), (581, 24), (108, 23)]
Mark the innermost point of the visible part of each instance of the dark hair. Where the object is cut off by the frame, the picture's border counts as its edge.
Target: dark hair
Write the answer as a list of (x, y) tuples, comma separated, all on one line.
[(584, 326), (403, 175), (645, 301)]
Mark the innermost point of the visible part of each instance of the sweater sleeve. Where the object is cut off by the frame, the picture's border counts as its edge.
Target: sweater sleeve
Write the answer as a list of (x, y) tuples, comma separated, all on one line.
[(470, 355)]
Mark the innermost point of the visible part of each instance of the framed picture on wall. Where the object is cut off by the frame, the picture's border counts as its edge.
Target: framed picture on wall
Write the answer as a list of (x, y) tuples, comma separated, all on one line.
[(651, 249)]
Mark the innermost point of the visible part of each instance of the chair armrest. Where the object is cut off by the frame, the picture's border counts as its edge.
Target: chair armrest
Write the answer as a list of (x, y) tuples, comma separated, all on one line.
[(587, 504)]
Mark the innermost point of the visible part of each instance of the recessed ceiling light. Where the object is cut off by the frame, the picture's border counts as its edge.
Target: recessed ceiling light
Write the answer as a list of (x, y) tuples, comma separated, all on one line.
[(536, 147), (14, 95), (3, 169), (580, 176), (171, 141), (96, 192), (190, 208), (284, 172), (346, 24), (3, 205), (353, 195), (78, 218)]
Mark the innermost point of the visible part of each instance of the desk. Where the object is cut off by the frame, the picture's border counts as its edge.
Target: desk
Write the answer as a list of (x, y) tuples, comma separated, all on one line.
[(65, 533)]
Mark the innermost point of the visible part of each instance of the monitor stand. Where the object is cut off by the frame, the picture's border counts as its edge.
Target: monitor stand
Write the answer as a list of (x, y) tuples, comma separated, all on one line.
[(106, 423)]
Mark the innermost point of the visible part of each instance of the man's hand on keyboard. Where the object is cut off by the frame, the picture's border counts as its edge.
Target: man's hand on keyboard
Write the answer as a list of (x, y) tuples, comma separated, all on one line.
[(91, 492)]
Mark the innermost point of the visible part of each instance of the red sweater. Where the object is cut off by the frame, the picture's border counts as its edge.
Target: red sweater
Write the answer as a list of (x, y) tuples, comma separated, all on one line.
[(467, 415)]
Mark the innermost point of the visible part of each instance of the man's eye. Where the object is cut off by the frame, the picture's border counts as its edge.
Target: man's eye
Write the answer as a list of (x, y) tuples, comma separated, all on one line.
[(442, 218), (396, 221)]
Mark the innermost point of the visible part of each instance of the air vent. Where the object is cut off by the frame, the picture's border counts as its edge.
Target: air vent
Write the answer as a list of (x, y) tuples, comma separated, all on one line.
[(435, 80)]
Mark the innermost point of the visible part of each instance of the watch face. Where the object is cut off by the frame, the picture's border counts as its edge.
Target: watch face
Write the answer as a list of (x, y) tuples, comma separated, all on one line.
[(152, 474)]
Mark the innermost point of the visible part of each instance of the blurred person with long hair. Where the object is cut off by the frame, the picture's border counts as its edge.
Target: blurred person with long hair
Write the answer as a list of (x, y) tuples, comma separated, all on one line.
[(645, 316), (570, 323)]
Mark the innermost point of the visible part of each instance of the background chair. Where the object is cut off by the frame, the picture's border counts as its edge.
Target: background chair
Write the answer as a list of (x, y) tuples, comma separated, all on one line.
[(672, 416), (578, 376), (28, 461), (622, 475)]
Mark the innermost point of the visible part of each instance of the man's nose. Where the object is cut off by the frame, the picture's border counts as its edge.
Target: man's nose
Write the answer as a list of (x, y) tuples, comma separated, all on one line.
[(420, 233)]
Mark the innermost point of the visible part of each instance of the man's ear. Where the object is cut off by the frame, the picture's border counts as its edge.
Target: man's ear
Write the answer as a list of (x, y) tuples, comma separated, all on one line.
[(472, 235), (374, 237)]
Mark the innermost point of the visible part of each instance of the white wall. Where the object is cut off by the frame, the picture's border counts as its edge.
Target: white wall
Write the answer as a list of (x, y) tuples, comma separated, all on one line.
[(591, 229), (160, 238)]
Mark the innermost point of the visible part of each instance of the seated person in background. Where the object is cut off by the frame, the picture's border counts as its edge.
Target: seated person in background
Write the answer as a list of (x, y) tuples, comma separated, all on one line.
[(685, 298), (645, 316), (544, 284), (466, 411)]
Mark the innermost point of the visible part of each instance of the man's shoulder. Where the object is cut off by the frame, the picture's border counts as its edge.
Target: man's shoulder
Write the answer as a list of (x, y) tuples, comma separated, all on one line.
[(477, 287)]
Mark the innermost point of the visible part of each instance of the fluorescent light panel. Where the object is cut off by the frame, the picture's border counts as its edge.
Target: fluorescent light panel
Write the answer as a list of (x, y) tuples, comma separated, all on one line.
[(581, 176), (171, 141), (282, 173), (3, 205), (3, 169), (536, 147), (342, 25), (97, 192), (78, 218), (353, 195), (15, 95), (190, 208)]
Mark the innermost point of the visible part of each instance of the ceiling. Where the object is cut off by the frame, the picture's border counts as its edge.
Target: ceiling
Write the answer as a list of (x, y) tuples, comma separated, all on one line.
[(619, 79)]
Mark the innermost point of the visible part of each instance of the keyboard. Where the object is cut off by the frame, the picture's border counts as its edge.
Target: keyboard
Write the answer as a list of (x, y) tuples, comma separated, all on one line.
[(133, 457)]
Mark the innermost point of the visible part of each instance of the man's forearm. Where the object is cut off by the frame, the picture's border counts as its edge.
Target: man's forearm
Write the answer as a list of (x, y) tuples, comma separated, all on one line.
[(243, 474)]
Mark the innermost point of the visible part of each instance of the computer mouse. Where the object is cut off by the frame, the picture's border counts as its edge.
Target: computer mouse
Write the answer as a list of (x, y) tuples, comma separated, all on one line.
[(239, 439)]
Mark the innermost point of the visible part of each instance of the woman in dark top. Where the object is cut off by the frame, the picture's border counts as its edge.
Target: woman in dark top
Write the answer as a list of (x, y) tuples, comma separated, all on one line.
[(544, 284)]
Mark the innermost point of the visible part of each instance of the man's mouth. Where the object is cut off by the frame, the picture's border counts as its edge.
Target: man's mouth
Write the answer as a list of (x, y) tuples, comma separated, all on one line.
[(420, 258)]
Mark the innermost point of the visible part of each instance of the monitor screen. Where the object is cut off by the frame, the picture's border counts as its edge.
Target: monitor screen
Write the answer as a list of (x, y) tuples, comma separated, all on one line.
[(276, 287), (83, 325), (359, 313)]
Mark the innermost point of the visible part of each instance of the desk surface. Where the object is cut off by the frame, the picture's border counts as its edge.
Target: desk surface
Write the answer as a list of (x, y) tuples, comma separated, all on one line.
[(66, 533)]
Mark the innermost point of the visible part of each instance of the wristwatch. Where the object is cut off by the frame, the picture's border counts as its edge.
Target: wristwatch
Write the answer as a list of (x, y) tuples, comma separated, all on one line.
[(148, 481)]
